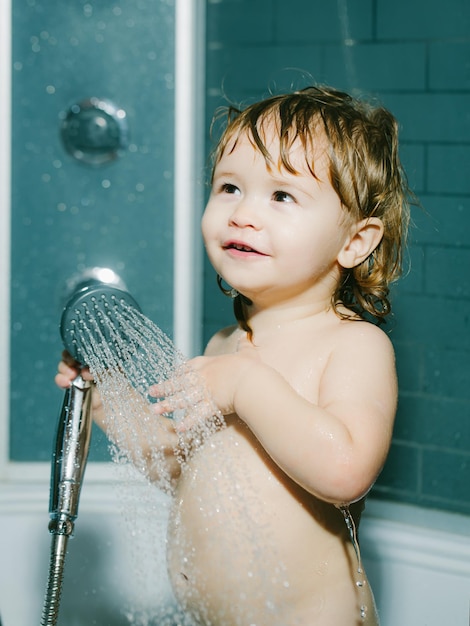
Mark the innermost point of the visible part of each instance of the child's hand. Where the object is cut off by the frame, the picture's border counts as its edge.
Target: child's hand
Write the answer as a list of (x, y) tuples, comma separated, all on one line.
[(69, 369), (203, 386)]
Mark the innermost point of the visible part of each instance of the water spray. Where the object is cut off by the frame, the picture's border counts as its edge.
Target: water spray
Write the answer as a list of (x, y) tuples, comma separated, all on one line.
[(94, 297)]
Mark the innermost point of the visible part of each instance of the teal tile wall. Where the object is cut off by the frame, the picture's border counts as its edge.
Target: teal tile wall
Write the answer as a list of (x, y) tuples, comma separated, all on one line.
[(428, 20), (414, 56)]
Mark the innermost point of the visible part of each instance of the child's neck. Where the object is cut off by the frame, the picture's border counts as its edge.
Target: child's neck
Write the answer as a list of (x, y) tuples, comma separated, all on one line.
[(274, 318)]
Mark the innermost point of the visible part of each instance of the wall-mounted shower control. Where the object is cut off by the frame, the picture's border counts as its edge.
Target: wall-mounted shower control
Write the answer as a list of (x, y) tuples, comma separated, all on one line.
[(94, 131)]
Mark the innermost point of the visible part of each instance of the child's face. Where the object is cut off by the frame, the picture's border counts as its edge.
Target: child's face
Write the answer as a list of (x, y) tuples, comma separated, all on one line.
[(270, 234)]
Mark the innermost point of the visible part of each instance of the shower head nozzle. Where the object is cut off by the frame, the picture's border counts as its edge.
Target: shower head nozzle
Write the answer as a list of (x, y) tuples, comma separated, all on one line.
[(93, 313)]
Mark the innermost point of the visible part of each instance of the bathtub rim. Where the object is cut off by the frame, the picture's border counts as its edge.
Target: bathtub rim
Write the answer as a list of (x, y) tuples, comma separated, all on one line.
[(395, 532)]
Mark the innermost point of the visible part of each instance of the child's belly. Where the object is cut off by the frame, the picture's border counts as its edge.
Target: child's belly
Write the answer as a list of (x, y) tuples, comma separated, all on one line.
[(248, 547)]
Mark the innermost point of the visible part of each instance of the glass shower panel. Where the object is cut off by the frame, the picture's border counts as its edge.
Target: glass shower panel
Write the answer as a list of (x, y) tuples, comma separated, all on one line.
[(92, 180)]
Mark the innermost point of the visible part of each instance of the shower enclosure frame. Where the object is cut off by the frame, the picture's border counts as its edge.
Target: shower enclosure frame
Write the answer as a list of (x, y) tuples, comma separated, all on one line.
[(187, 292)]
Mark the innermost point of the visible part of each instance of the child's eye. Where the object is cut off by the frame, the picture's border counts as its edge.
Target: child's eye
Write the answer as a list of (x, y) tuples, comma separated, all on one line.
[(282, 196), (229, 188)]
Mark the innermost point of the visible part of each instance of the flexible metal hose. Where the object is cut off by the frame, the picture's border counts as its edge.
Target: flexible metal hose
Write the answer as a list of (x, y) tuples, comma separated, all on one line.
[(50, 612)]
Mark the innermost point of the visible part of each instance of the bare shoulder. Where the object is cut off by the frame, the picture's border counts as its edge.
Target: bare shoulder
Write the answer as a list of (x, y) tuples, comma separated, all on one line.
[(221, 342), (362, 357), (361, 335)]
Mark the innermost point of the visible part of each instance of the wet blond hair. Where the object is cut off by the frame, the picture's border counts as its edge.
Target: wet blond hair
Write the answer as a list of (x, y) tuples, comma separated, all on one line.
[(364, 170)]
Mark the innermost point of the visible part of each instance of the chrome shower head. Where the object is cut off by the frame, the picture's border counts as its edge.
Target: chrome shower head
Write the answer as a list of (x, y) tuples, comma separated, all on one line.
[(92, 311)]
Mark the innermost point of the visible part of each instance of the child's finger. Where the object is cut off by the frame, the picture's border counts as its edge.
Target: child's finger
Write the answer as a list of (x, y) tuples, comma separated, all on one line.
[(66, 370), (163, 407), (86, 374), (164, 389), (63, 381)]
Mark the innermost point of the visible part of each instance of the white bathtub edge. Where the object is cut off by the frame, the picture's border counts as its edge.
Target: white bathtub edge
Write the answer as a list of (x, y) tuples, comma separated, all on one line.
[(437, 540)]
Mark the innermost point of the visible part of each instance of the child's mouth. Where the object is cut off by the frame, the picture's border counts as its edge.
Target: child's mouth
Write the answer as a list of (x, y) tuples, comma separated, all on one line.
[(235, 246), (241, 247)]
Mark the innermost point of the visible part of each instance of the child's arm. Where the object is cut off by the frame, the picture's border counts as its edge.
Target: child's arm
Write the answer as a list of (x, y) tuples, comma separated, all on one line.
[(133, 439), (335, 448)]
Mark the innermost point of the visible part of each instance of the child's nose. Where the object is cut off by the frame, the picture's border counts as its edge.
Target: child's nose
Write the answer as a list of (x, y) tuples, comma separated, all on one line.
[(245, 214)]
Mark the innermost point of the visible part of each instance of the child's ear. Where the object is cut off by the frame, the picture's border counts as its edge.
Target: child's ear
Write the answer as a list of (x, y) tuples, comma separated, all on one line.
[(364, 238)]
